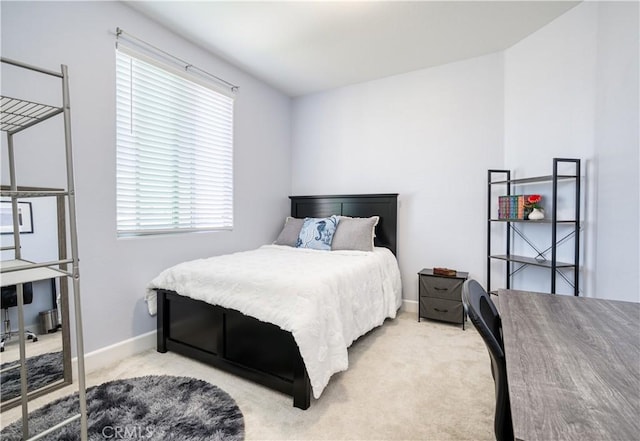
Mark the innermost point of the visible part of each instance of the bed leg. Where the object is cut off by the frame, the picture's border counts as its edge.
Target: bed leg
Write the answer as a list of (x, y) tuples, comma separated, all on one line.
[(163, 322), (301, 388)]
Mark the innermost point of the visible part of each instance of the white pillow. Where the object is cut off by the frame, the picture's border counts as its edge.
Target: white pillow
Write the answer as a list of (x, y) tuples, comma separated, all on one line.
[(317, 233)]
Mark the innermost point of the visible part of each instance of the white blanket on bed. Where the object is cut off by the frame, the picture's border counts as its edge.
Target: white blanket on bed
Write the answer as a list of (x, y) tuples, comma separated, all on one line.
[(326, 299)]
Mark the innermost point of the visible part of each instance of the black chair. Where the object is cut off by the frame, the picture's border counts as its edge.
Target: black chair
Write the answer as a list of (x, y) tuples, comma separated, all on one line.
[(9, 299), (485, 318)]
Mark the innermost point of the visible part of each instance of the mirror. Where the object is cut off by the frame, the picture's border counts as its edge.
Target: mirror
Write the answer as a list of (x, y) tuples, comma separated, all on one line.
[(46, 308)]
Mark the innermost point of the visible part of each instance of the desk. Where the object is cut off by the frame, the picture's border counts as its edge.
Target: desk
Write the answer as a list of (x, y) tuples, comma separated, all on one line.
[(573, 366)]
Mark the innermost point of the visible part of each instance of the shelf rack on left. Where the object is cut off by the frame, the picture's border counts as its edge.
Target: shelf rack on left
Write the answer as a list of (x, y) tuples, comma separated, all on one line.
[(17, 115)]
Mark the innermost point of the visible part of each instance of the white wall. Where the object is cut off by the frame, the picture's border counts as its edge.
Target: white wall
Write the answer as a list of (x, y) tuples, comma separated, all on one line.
[(617, 204), (568, 90), (114, 272), (571, 90), (428, 135)]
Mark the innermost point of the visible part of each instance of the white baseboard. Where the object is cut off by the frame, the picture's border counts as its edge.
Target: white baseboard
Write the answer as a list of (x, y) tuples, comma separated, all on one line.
[(409, 306), (96, 360)]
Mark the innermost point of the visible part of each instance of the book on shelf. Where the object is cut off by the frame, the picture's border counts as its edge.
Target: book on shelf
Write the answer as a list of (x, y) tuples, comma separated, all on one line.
[(513, 207)]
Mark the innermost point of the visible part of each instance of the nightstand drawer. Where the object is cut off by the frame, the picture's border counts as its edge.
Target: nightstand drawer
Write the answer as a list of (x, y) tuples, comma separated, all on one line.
[(440, 309), (441, 287)]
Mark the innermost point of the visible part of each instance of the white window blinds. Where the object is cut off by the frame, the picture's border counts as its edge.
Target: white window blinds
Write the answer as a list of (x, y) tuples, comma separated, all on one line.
[(174, 151)]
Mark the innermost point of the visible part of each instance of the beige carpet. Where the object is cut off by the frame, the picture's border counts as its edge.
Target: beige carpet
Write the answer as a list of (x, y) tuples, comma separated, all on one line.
[(406, 381)]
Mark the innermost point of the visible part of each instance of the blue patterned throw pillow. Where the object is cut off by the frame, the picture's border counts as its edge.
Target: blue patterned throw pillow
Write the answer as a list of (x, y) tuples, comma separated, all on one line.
[(317, 233)]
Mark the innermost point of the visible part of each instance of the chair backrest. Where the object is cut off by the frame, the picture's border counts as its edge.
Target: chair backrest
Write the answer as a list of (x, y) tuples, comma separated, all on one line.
[(485, 318), (9, 296), (483, 315)]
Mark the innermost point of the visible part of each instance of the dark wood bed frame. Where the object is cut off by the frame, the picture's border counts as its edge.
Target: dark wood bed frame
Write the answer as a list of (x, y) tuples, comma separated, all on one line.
[(245, 346)]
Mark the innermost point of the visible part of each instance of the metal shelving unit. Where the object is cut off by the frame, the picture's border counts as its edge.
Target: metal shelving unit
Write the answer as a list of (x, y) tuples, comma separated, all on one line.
[(503, 178), (18, 115)]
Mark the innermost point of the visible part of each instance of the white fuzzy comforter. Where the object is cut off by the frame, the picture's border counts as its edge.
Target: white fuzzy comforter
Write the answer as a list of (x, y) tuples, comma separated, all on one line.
[(326, 299)]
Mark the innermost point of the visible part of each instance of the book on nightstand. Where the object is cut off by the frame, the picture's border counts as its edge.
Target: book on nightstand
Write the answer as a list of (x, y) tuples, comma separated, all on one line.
[(444, 272)]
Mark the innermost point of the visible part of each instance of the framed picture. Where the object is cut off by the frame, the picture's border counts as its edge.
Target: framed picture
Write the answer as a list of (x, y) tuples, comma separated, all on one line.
[(25, 219)]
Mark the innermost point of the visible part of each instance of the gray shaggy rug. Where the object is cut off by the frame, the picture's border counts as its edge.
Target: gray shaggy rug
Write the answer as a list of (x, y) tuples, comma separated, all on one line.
[(41, 370), (150, 408)]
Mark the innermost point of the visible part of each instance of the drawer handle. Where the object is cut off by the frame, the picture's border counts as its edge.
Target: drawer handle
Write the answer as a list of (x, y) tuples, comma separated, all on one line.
[(441, 310), (440, 289)]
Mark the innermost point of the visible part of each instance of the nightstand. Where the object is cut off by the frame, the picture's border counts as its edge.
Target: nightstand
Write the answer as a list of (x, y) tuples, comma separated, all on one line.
[(440, 297)]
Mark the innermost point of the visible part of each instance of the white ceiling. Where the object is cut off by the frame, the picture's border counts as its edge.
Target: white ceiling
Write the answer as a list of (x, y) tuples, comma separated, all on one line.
[(306, 46)]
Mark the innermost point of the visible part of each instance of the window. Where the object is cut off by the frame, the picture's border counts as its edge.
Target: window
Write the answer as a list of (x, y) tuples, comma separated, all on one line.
[(174, 151)]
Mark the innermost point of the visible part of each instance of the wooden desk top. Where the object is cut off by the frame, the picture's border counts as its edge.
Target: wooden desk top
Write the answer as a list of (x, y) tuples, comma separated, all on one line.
[(573, 366)]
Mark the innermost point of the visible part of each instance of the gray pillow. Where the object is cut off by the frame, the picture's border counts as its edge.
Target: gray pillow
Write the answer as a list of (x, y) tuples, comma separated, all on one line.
[(355, 233), (289, 234)]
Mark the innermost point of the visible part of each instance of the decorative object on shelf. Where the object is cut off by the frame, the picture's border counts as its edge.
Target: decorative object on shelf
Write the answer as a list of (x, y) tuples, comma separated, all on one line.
[(445, 272), (533, 203), (536, 214)]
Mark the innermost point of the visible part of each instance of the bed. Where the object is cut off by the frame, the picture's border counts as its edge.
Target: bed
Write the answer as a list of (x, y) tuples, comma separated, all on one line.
[(269, 354)]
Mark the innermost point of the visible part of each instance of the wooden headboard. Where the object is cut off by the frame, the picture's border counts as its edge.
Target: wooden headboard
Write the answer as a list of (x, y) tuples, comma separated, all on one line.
[(359, 205)]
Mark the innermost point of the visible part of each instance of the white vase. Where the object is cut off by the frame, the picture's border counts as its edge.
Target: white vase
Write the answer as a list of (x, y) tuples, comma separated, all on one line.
[(536, 214)]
